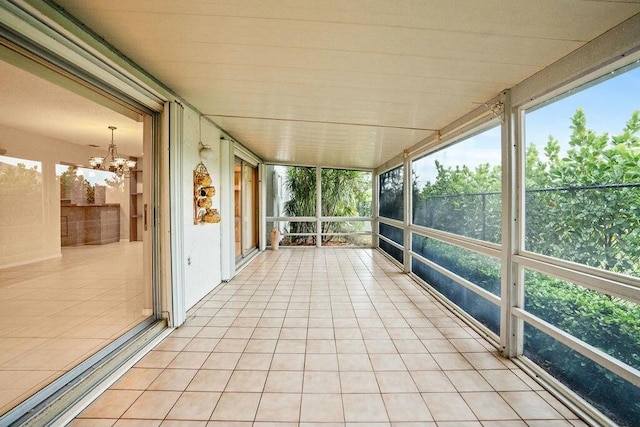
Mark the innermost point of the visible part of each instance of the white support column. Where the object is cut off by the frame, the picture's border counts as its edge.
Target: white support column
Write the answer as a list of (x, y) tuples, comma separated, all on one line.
[(375, 242), (407, 209), (262, 210), (318, 206), (176, 117), (227, 223), (511, 286)]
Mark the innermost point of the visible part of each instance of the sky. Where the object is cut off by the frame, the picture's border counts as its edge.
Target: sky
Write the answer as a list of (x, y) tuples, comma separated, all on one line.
[(92, 176), (608, 106), (29, 164)]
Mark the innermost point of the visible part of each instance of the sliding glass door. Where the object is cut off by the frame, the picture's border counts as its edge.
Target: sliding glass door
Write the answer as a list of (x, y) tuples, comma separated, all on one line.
[(75, 239), (246, 208)]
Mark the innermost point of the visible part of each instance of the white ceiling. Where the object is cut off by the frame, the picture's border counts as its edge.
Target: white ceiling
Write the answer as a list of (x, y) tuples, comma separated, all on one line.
[(343, 83), (32, 104)]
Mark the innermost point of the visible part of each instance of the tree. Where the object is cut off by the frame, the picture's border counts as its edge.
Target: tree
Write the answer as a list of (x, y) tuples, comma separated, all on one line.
[(391, 194), (582, 207), (71, 181), (585, 207), (20, 191), (301, 185), (344, 193), (462, 200)]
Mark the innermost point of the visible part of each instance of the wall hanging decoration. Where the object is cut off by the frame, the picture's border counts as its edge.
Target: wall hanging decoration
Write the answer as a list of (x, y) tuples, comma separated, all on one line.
[(203, 191)]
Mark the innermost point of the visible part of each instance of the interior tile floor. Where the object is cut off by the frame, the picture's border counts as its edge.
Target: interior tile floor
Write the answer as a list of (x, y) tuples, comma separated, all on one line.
[(324, 337), (56, 313)]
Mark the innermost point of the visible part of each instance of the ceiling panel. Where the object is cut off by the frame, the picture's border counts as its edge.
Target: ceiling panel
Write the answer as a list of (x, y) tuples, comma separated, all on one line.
[(295, 142), (337, 83)]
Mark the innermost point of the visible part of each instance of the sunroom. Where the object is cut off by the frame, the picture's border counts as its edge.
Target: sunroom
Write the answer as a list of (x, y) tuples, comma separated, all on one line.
[(361, 213)]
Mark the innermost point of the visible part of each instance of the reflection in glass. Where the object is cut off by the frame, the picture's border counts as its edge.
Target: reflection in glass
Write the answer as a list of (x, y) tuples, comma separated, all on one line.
[(391, 194), (608, 323), (20, 192), (484, 311), (65, 297), (457, 189), (23, 229), (245, 207), (615, 397), (478, 269), (395, 234), (395, 253), (82, 186)]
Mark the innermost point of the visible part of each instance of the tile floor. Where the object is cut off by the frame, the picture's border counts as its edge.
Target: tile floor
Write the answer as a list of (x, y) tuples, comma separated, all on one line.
[(330, 337), (56, 313)]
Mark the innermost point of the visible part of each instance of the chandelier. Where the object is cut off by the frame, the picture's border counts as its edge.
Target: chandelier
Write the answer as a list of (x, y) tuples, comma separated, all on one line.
[(112, 161)]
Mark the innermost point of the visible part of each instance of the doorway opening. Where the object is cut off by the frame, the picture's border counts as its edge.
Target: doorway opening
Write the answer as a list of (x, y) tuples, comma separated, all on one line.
[(246, 208), (76, 257)]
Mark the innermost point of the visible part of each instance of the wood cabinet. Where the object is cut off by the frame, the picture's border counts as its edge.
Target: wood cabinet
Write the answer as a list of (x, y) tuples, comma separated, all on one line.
[(89, 224)]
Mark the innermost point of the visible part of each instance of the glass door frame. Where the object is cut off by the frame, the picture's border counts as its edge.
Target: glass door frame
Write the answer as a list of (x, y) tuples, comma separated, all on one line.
[(55, 66), (244, 190)]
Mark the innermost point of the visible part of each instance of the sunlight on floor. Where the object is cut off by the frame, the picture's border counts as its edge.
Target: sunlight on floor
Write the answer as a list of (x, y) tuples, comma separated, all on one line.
[(58, 312)]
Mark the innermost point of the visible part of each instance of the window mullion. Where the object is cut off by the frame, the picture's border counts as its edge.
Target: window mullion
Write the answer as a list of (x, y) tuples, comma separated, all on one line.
[(511, 330)]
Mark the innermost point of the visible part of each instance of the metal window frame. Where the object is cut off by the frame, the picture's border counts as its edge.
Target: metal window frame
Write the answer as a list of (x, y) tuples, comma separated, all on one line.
[(615, 49), (318, 219)]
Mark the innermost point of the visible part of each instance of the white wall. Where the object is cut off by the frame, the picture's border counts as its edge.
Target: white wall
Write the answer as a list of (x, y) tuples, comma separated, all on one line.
[(31, 242), (202, 270)]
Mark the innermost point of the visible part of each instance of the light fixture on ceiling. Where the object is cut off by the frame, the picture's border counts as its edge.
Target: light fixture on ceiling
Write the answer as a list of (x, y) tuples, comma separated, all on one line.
[(113, 162)]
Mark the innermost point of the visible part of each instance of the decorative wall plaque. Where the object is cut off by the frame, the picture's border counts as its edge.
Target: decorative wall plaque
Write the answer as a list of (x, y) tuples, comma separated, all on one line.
[(203, 192)]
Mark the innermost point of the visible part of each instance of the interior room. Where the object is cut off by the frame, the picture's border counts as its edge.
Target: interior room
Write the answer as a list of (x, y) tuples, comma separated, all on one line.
[(71, 266)]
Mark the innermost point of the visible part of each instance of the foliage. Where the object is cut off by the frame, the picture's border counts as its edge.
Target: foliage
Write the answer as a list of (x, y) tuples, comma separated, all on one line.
[(463, 201), (114, 182), (70, 180), (614, 396), (301, 184), (593, 216), (345, 193), (391, 194), (481, 309), (479, 269), (20, 191), (608, 323), (584, 207)]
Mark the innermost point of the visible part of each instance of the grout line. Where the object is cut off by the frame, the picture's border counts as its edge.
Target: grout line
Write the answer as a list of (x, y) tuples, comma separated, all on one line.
[(79, 406)]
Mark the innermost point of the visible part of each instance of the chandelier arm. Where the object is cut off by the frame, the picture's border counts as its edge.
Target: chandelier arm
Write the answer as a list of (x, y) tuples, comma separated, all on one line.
[(119, 165)]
